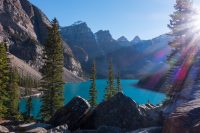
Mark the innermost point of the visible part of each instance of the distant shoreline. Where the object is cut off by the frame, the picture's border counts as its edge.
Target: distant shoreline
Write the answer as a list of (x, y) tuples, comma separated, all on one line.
[(150, 89)]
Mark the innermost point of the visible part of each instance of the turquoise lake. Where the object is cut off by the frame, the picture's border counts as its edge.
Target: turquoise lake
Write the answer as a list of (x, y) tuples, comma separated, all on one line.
[(140, 95)]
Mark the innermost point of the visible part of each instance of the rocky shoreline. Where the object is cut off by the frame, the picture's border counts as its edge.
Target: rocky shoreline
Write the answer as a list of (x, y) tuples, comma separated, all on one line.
[(120, 114)]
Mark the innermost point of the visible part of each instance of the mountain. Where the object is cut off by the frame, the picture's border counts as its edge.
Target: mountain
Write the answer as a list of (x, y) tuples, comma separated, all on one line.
[(106, 41), (138, 60), (25, 27), (123, 41), (87, 45), (136, 40), (82, 41), (131, 57), (25, 69)]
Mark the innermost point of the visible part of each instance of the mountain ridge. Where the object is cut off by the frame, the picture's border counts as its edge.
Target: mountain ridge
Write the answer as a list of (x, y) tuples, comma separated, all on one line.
[(125, 54), (24, 27)]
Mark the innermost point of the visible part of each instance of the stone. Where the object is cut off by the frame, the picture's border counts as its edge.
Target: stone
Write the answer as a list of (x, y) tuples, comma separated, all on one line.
[(185, 119), (25, 28), (108, 129), (119, 111), (85, 131), (3, 129), (152, 115), (71, 114), (33, 125), (59, 129), (149, 130), (102, 129), (37, 130)]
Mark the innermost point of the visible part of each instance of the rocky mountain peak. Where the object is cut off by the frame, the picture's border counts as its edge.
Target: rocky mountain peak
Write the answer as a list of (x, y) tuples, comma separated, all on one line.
[(81, 39), (104, 36), (122, 38), (123, 41), (13, 18), (136, 40), (78, 27), (79, 23)]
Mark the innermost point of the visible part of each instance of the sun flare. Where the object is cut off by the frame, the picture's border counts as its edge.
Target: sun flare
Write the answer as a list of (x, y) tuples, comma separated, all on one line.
[(196, 22)]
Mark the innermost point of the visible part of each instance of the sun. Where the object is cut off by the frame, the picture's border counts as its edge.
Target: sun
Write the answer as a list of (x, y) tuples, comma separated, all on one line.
[(192, 26), (195, 22)]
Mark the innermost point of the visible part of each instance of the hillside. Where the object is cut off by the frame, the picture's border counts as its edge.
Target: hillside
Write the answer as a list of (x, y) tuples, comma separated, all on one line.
[(25, 27), (129, 57), (25, 69), (137, 60)]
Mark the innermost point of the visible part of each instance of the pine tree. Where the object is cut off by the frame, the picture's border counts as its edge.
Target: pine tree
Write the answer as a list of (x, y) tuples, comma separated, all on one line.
[(93, 90), (52, 82), (180, 25), (4, 81), (28, 93), (24, 80), (28, 108), (110, 89), (14, 95), (119, 87)]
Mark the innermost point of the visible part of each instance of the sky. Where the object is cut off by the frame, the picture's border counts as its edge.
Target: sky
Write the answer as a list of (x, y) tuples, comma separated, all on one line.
[(145, 18)]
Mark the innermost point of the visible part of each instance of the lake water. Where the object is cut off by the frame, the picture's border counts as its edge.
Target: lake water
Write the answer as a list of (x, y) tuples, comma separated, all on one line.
[(141, 96)]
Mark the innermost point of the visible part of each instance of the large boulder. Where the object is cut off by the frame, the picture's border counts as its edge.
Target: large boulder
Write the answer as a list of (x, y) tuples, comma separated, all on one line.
[(119, 111), (149, 130), (85, 131), (71, 114), (152, 114), (3, 129), (102, 129), (107, 129), (186, 119), (59, 129), (32, 126), (37, 130)]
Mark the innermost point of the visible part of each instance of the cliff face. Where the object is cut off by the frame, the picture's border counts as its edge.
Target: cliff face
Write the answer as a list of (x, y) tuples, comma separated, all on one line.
[(87, 45), (82, 41), (183, 113), (106, 41), (25, 28), (136, 58)]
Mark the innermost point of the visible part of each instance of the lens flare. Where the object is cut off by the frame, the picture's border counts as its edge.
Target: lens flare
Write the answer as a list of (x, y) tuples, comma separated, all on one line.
[(196, 22)]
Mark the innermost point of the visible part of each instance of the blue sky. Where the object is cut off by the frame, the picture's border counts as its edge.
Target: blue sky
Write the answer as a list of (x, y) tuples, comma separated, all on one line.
[(146, 18)]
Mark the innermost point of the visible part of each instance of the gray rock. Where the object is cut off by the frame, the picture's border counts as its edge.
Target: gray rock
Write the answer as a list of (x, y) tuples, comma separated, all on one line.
[(85, 131), (3, 129), (71, 114), (120, 111), (33, 125), (59, 129), (25, 28), (37, 130), (102, 129), (152, 115), (107, 129), (186, 119), (149, 130)]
